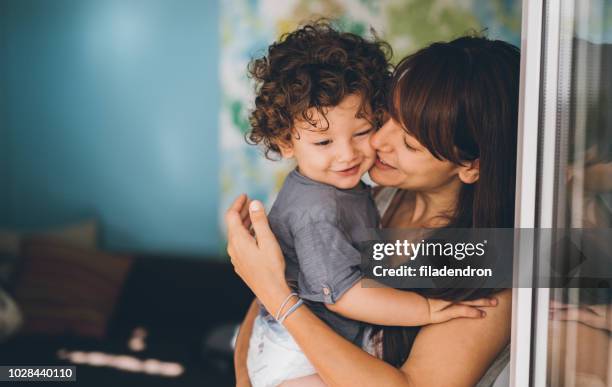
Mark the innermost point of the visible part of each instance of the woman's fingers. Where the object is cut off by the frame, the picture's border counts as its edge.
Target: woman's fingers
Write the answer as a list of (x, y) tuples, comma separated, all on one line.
[(234, 219), (260, 224), (238, 236), (244, 211), (248, 225), (232, 215), (486, 301), (246, 219)]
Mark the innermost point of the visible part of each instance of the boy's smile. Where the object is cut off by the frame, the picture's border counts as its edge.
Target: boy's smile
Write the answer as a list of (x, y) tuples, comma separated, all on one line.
[(337, 150)]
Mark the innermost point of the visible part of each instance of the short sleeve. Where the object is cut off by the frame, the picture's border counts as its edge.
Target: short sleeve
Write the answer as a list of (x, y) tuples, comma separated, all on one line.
[(329, 263)]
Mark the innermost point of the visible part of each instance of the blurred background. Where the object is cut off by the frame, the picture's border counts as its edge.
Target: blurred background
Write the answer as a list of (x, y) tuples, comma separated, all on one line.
[(131, 112), (122, 141)]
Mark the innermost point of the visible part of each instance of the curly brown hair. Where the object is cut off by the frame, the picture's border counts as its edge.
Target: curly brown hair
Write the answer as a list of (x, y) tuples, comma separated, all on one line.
[(315, 66)]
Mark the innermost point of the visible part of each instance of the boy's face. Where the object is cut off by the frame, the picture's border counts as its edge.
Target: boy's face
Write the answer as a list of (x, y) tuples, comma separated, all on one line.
[(339, 155)]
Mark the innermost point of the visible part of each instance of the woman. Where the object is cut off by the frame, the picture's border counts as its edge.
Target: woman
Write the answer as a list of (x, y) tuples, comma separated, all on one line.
[(448, 156)]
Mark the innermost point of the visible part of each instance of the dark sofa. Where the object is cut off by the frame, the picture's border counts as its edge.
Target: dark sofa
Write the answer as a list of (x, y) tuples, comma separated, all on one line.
[(181, 302)]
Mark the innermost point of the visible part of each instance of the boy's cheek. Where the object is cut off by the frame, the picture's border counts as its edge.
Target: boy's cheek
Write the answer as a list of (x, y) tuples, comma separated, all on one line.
[(369, 151), (370, 163)]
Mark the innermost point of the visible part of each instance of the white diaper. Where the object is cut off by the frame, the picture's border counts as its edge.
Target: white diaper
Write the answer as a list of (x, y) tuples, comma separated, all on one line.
[(274, 357)]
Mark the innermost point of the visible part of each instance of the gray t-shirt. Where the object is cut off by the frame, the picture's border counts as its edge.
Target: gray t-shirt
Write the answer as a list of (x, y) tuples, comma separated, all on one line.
[(318, 227)]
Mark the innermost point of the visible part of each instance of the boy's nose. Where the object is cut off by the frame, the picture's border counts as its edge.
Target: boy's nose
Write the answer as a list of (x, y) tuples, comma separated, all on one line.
[(347, 154)]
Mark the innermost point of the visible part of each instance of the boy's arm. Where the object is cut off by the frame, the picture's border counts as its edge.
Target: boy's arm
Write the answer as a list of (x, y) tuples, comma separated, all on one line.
[(242, 347), (393, 307), (325, 254)]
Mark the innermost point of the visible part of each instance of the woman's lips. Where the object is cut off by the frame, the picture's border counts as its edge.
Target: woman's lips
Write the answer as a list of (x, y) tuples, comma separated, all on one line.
[(349, 171), (382, 165)]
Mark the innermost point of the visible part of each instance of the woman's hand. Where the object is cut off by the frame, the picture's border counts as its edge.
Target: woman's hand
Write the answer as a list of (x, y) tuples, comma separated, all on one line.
[(258, 260)]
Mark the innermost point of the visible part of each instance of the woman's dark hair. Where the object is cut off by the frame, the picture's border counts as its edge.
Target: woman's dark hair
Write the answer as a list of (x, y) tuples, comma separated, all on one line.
[(315, 66), (460, 100)]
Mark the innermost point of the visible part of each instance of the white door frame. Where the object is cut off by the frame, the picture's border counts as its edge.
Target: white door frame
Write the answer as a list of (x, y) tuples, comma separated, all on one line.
[(546, 44)]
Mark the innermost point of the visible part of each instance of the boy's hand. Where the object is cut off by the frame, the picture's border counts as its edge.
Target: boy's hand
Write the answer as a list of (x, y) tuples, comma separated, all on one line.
[(441, 310), (595, 316)]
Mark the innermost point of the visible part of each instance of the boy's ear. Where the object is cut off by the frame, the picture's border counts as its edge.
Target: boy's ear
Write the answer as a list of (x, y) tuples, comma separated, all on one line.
[(470, 172), (285, 148)]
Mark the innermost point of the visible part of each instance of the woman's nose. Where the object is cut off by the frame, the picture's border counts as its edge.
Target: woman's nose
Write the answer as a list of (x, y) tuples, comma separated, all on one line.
[(380, 139)]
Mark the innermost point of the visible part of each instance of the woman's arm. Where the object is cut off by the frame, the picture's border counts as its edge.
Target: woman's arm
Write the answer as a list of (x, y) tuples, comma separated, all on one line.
[(340, 363), (242, 347), (454, 353)]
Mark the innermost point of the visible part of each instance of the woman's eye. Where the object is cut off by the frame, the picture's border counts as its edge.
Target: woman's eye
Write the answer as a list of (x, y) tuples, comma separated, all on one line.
[(408, 145), (363, 133), (323, 143)]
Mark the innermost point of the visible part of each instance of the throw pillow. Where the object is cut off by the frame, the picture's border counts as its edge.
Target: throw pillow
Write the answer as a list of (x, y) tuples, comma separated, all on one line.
[(64, 289)]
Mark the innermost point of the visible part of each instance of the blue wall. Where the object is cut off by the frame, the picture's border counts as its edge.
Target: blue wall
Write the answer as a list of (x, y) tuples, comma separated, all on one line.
[(4, 140), (111, 110)]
